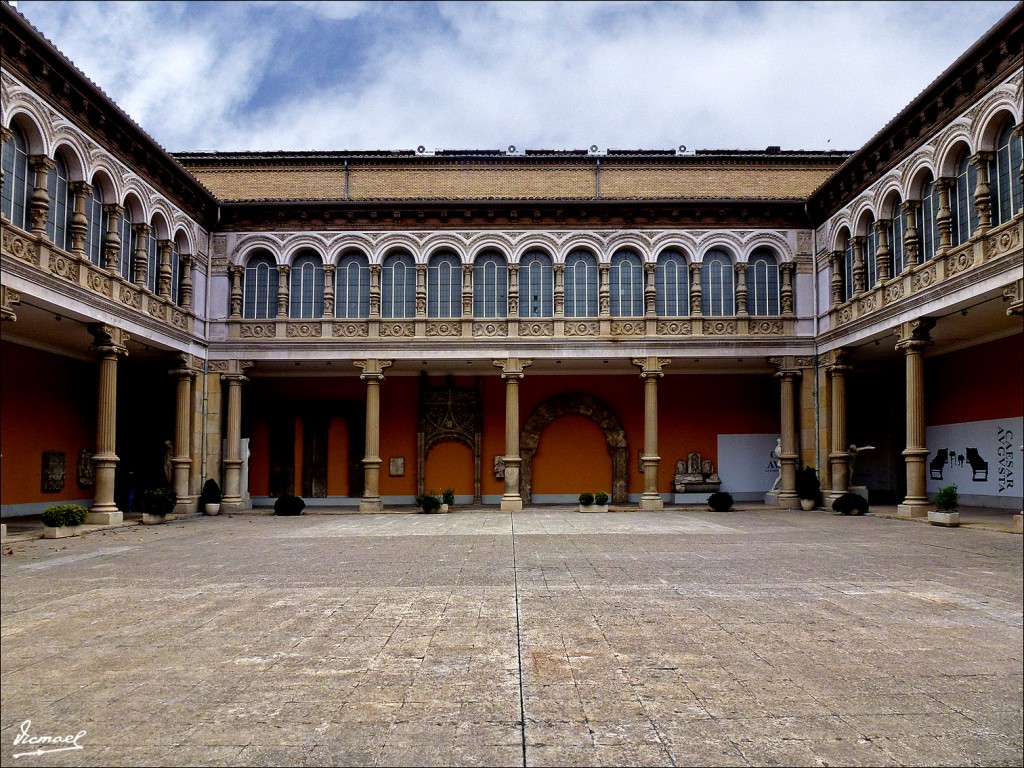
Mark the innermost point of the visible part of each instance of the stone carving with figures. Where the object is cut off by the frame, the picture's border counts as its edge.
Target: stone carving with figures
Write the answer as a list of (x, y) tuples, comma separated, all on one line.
[(696, 475)]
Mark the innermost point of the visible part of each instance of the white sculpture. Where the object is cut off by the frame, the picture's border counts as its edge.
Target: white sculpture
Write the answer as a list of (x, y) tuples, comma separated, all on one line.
[(854, 450), (777, 453)]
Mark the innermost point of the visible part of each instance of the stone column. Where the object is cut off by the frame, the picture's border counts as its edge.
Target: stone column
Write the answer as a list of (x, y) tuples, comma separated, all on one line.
[(329, 290), (741, 289), (650, 372), (604, 292), (858, 266), (982, 192), (787, 375), (231, 501), (512, 372), (650, 291), (186, 282), (375, 270), (786, 270), (839, 456), (944, 216), (163, 275), (282, 291), (836, 284), (558, 272), (467, 291), (373, 375), (39, 203), (235, 273), (911, 241), (112, 237), (8, 300), (182, 459), (5, 136), (79, 221), (140, 259), (109, 343), (421, 291), (882, 253), (513, 291), (695, 290), (913, 339)]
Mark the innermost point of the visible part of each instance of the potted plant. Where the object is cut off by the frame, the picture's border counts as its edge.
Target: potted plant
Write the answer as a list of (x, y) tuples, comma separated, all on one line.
[(850, 504), (156, 505), (720, 501), (447, 499), (586, 502), (428, 503), (210, 497), (62, 520), (947, 501), (808, 488), (601, 501), (289, 505)]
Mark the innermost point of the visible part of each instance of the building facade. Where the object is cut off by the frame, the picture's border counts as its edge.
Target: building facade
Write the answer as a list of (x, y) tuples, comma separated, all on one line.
[(360, 327)]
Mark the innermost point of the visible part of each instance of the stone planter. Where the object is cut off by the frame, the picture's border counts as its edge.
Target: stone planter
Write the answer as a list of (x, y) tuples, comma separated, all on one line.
[(808, 504), (212, 509), (149, 518), (948, 519), (444, 508), (593, 507), (61, 532)]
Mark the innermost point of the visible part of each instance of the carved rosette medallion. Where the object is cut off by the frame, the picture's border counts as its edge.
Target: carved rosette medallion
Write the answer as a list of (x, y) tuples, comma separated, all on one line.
[(349, 330), (1007, 240), (629, 328), (536, 328), (99, 282), (19, 248), (960, 262), (64, 267), (444, 328), (156, 309), (586, 328), (179, 319), (764, 327), (719, 327), (490, 329), (866, 305), (893, 292), (924, 278), (257, 330), (675, 327), (397, 330), (303, 330)]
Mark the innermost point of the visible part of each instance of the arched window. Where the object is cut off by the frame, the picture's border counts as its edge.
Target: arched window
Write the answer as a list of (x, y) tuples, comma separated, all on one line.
[(717, 283), (398, 287), (870, 249), (536, 285), (897, 230), (17, 188), (671, 285), (626, 281), (961, 202), (62, 204), (129, 242), (95, 227), (848, 270), (1004, 176), (352, 287), (259, 293), (490, 286), (763, 283), (580, 285), (306, 286), (153, 258), (444, 285), (929, 226)]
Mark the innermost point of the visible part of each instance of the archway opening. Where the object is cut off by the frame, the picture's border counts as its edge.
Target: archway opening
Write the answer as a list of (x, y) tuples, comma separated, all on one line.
[(572, 457)]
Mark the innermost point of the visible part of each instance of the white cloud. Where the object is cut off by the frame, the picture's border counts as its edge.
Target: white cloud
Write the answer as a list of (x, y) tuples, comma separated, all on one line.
[(538, 75)]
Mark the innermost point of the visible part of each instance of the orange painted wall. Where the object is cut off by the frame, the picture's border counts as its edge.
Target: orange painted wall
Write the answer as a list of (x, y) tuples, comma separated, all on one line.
[(47, 403), (975, 384), (572, 457), (449, 465), (398, 433), (337, 462)]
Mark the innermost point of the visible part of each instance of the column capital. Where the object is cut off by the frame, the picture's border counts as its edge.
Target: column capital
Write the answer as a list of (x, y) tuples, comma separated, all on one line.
[(372, 369), (185, 365), (944, 183), (113, 209), (8, 299), (512, 367), (108, 340), (915, 334), (42, 163), (650, 367), (786, 366), (81, 188), (881, 225), (981, 157), (837, 361), (1014, 294), (233, 370), (141, 230)]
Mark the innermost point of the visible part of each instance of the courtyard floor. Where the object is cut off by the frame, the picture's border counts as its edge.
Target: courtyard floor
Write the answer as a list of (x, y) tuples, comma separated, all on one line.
[(548, 637)]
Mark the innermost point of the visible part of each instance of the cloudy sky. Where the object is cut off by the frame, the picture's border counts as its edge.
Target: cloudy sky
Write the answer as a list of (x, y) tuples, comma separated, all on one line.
[(621, 75)]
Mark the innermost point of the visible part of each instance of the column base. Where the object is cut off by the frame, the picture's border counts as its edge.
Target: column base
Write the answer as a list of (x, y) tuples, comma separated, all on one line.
[(1018, 523), (105, 517), (228, 506), (652, 502), (788, 501), (186, 506), (771, 499), (375, 504), (511, 503), (912, 510)]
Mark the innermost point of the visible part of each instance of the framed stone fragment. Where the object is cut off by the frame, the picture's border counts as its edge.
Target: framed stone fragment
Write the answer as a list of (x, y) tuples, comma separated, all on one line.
[(53, 471), (397, 466), (86, 470)]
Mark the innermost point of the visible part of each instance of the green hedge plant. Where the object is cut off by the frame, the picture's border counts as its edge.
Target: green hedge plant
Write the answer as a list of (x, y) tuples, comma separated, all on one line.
[(720, 501), (289, 505), (64, 515), (586, 498), (158, 501), (428, 502), (448, 496), (600, 498), (947, 499), (850, 504), (211, 492)]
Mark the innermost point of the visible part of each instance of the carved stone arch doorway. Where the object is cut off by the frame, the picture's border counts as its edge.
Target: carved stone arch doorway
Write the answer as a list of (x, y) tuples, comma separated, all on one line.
[(449, 414), (575, 404)]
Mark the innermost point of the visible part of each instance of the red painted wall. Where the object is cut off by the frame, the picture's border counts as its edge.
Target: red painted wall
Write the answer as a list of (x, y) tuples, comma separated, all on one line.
[(975, 384), (47, 403)]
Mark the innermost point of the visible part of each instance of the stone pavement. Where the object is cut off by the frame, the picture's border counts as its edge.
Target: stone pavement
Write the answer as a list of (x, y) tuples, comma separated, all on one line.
[(755, 637)]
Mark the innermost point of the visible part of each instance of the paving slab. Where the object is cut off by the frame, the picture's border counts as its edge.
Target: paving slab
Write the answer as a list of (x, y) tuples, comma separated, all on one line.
[(547, 637)]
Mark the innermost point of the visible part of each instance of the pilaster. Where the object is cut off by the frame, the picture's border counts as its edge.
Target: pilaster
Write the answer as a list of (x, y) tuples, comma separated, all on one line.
[(913, 338), (373, 375), (650, 372), (512, 371)]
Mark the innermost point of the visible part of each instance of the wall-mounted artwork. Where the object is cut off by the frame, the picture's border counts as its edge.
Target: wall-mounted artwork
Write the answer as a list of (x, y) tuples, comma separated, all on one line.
[(397, 466), (86, 470), (53, 471)]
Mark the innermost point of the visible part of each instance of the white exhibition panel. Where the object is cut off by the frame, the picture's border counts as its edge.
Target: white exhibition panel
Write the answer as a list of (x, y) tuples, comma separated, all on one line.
[(747, 463), (993, 447)]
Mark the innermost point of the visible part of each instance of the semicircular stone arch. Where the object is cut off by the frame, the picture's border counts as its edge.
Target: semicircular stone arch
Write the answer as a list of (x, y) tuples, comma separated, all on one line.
[(575, 404)]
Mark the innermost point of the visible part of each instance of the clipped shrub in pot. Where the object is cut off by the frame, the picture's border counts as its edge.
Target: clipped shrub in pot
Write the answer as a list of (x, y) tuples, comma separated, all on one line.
[(210, 497), (62, 520), (808, 487), (947, 501), (156, 504), (850, 504), (720, 501), (428, 503), (288, 505)]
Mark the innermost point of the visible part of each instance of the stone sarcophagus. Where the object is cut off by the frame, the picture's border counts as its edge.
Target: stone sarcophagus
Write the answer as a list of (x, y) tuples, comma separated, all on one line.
[(696, 476)]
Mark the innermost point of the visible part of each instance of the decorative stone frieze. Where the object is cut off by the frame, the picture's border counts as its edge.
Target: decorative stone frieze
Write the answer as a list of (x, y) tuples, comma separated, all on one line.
[(490, 329), (64, 266), (763, 327), (257, 330), (349, 330), (674, 327), (536, 328), (582, 328), (18, 247), (444, 328), (391, 329), (310, 330), (718, 327), (99, 282), (636, 327)]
